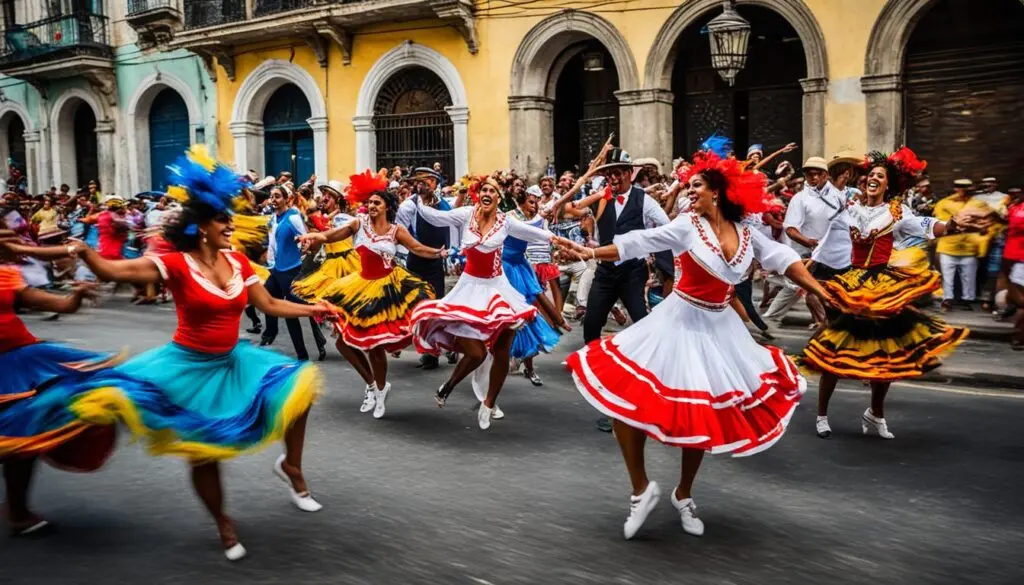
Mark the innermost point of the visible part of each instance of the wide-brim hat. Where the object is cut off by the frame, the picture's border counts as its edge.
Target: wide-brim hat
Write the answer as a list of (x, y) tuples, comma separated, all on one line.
[(335, 187), (847, 157), (963, 183), (815, 162), (648, 161), (989, 180), (426, 173), (617, 158)]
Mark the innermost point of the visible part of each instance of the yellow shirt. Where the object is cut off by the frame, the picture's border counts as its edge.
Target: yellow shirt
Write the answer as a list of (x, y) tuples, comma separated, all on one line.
[(959, 244), (47, 220)]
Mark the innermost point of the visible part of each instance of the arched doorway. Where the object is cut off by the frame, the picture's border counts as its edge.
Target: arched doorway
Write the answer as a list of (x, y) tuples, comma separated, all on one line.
[(411, 125), (14, 144), (168, 135), (87, 166), (585, 109), (287, 136), (765, 106), (963, 90)]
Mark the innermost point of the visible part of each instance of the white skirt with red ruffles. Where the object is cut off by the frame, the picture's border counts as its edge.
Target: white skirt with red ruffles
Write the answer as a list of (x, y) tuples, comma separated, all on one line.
[(692, 378), (476, 308)]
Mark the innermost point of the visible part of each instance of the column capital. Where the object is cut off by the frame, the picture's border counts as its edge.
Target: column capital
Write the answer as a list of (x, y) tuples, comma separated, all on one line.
[(104, 127), (317, 124), (531, 102), (243, 128), (878, 83), (636, 97), (362, 123), (458, 114), (32, 136), (814, 85)]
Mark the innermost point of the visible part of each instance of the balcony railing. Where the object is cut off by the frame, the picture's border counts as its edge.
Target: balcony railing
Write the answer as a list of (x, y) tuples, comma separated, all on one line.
[(203, 13), (264, 7), (72, 34), (140, 6)]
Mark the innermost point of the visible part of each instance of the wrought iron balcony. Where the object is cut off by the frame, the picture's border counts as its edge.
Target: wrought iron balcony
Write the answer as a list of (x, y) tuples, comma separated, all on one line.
[(80, 34), (154, 21), (205, 13), (264, 7)]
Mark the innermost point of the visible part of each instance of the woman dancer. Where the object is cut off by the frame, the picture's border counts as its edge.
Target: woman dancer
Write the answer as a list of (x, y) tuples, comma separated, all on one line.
[(538, 335), (880, 336), (36, 372), (374, 304), (690, 375), (481, 314), (335, 260), (205, 396)]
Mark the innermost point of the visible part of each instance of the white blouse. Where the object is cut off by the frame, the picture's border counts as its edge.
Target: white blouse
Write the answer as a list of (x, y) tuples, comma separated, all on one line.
[(863, 222), (382, 245), (464, 218), (692, 233)]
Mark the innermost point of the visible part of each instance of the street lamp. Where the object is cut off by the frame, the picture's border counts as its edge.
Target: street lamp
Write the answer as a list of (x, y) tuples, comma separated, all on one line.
[(729, 34)]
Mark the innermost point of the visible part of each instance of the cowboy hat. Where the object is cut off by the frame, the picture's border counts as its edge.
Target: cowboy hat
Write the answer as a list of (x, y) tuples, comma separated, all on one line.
[(845, 156)]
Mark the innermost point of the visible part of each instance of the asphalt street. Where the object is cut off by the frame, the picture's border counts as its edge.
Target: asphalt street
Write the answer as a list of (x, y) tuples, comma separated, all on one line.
[(424, 496)]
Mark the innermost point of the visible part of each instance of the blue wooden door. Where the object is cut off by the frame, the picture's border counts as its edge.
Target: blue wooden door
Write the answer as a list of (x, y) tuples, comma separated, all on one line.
[(287, 137), (168, 135), (303, 156)]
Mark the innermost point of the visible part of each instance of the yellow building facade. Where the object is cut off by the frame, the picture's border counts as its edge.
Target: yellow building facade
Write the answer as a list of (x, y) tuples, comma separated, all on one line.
[(828, 74)]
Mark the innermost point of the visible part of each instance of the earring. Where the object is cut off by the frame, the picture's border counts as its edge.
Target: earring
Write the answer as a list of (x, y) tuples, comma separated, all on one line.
[(204, 238), (714, 200)]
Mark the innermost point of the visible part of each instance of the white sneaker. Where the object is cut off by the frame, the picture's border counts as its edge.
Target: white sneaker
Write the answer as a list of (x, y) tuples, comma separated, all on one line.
[(870, 422), (484, 417), (303, 501), (369, 398), (688, 514), (235, 553), (496, 413), (382, 398), (639, 507), (821, 427)]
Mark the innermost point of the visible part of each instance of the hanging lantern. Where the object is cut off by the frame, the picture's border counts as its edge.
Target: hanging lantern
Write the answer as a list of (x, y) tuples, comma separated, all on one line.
[(593, 61), (729, 34)]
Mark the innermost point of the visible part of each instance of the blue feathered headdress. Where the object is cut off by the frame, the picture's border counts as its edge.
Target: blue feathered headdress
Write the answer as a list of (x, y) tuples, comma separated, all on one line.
[(197, 177), (717, 144)]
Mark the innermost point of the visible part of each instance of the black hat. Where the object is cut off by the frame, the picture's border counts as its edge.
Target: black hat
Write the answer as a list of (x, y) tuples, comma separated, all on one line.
[(617, 157), (425, 172)]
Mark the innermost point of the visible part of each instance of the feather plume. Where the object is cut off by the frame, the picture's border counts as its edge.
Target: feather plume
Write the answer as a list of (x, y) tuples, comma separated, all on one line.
[(718, 144), (363, 185)]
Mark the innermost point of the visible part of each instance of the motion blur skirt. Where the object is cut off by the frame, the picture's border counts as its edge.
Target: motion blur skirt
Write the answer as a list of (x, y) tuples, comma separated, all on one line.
[(319, 271)]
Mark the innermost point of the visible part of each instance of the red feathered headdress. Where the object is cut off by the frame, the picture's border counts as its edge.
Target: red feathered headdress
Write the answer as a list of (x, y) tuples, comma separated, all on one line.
[(363, 185), (902, 166), (744, 188)]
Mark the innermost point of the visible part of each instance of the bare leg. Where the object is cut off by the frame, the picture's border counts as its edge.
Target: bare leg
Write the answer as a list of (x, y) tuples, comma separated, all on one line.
[(379, 366), (631, 443), (357, 359), (878, 392), (528, 365), (294, 440), (817, 310), (17, 480), (826, 386), (499, 366), (206, 482), (692, 459), (556, 295), (473, 353)]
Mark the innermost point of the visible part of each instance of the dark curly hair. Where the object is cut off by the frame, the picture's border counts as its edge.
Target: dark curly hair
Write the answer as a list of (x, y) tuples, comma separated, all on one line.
[(176, 229), (390, 204), (719, 184)]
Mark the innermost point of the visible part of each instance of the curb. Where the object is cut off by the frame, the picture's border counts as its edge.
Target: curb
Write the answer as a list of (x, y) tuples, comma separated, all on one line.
[(994, 332), (975, 380)]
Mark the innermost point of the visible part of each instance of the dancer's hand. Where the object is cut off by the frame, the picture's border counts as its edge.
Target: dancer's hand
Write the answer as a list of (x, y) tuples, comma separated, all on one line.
[(324, 311), (87, 291), (311, 240), (443, 252), (76, 247)]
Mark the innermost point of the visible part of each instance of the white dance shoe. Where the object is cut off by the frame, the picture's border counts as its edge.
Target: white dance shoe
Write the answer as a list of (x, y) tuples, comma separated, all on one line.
[(303, 501), (382, 398), (484, 416), (639, 507), (869, 422), (497, 413), (821, 427), (688, 514), (369, 398), (235, 553)]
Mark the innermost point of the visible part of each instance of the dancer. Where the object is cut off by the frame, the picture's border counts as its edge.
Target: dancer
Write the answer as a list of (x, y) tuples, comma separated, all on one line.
[(37, 372), (690, 375), (481, 314), (205, 396), (880, 336), (336, 260), (374, 304)]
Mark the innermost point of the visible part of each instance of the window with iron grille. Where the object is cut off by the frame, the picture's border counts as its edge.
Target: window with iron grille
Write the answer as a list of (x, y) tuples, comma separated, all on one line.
[(412, 127)]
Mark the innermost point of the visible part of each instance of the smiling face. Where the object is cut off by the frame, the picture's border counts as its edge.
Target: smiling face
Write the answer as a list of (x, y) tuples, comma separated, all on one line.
[(877, 182), (376, 206), (488, 197), (702, 198), (619, 179), (217, 232)]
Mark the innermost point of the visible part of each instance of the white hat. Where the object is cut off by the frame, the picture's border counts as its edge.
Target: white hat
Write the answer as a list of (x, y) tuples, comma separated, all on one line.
[(534, 190), (989, 180), (267, 181)]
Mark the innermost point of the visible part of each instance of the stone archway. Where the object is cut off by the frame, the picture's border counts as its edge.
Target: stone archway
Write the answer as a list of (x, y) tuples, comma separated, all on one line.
[(9, 112), (137, 119), (62, 139), (540, 56), (410, 54), (247, 114), (661, 59)]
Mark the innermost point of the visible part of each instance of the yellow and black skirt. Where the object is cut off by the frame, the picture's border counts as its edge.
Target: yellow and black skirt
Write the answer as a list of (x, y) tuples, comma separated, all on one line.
[(319, 271), (878, 336), (375, 312)]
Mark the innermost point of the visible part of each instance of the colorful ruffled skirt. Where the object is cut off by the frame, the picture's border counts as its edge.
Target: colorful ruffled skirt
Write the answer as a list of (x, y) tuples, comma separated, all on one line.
[(39, 382), (319, 271), (377, 312), (538, 335), (879, 336), (475, 308), (693, 378), (202, 406), (547, 271)]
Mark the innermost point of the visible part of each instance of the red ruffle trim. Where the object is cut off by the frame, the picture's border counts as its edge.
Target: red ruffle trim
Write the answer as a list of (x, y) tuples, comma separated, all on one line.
[(497, 317), (547, 272), (393, 336), (734, 422)]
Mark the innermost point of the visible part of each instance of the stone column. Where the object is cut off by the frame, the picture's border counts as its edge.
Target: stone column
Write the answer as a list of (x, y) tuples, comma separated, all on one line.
[(883, 96), (366, 143), (107, 150), (531, 133), (460, 121), (645, 123), (815, 95), (248, 145), (34, 166), (319, 126)]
